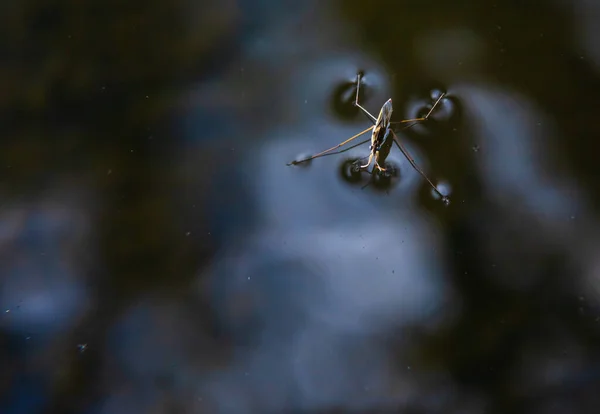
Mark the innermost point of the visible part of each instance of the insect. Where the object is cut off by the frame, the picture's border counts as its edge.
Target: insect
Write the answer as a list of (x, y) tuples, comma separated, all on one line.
[(380, 136)]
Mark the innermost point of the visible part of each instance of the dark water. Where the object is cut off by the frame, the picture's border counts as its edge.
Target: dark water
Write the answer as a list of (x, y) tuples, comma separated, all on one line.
[(158, 256)]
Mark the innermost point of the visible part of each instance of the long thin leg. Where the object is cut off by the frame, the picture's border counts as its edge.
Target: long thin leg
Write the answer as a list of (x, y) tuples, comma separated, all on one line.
[(424, 118), (357, 104), (348, 148), (415, 166), (322, 153)]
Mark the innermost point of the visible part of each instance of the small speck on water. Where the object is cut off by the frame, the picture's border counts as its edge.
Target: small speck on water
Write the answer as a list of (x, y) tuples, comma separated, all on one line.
[(475, 148), (188, 233)]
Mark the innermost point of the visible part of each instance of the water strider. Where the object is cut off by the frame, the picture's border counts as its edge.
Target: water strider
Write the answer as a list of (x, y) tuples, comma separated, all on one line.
[(381, 131)]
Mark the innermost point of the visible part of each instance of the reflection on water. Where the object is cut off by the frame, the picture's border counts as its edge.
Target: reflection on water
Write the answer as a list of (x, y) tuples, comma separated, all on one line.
[(307, 297), (205, 275), (516, 142)]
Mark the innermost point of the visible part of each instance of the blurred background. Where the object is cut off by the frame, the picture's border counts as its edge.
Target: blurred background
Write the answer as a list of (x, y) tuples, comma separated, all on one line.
[(158, 256)]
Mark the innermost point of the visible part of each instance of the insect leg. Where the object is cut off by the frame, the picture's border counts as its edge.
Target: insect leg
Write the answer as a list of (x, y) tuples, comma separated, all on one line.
[(414, 164), (424, 118), (322, 153), (368, 163), (373, 119)]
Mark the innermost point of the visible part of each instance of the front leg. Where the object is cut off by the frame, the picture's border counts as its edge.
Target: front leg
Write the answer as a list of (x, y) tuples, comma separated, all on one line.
[(379, 167), (362, 167)]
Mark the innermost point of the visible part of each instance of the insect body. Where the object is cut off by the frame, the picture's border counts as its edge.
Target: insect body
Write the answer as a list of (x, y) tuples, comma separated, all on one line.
[(380, 134)]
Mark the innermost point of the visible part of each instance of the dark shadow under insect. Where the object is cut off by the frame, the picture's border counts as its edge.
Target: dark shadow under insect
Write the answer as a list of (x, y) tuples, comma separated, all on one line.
[(351, 172)]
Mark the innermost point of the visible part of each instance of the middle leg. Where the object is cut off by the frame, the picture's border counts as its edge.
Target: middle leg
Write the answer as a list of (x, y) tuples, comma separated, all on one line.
[(357, 104)]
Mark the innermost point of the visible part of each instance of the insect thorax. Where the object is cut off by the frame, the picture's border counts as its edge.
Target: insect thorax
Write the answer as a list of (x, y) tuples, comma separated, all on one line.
[(377, 137)]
